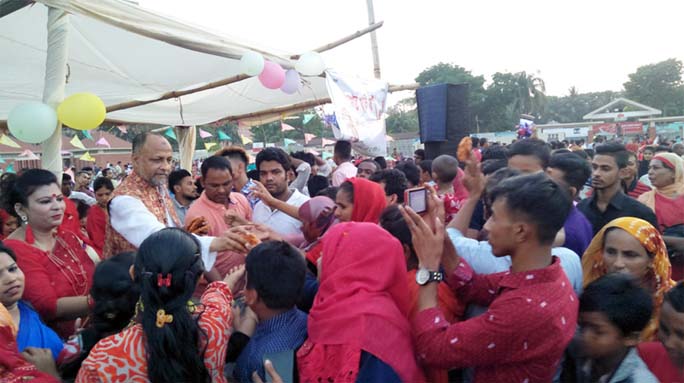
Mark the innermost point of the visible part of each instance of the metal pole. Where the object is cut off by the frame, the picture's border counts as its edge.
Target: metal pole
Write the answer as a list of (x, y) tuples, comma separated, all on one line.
[(374, 40)]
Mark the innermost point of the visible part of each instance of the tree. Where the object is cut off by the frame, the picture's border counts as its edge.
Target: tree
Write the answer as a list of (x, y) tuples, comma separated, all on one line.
[(658, 85), (576, 105)]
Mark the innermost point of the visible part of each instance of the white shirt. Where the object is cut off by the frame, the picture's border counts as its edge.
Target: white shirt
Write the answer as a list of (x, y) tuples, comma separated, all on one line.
[(130, 218), (83, 197), (479, 256), (280, 222), (344, 171)]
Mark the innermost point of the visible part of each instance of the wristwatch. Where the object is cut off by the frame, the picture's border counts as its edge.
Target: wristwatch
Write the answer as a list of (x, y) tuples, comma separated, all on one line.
[(425, 276)]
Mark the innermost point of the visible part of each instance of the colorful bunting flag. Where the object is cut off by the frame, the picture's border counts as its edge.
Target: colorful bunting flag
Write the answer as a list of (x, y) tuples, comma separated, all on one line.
[(10, 168), (308, 117), (123, 128), (103, 142), (170, 133), (29, 155), (87, 157), (223, 136), (288, 142), (389, 138), (245, 140), (285, 127), (76, 142), (204, 134), (327, 142), (209, 145), (86, 134), (308, 137), (5, 140)]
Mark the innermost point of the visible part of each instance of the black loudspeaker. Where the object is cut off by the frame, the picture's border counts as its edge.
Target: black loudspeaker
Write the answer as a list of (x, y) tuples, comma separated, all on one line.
[(443, 117)]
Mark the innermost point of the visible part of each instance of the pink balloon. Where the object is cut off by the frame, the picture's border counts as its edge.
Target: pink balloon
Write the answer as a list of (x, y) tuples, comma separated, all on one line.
[(273, 75), (291, 84)]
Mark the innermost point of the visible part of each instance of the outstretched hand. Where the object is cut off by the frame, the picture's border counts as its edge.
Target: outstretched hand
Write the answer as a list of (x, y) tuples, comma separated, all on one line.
[(234, 275), (474, 180), (259, 191), (428, 240)]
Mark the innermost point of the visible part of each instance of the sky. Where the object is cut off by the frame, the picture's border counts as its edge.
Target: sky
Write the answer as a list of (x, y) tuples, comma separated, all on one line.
[(591, 45)]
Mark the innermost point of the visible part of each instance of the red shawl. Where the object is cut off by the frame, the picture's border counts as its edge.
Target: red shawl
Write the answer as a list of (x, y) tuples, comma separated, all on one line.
[(362, 303), (369, 200)]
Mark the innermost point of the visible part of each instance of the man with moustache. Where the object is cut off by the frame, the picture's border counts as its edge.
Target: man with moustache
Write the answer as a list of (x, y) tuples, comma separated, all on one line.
[(141, 205), (273, 164), (608, 201)]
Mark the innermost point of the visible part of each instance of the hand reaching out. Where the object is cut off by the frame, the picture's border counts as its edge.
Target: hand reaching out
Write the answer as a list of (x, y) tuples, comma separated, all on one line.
[(270, 370), (428, 242), (234, 275), (260, 191)]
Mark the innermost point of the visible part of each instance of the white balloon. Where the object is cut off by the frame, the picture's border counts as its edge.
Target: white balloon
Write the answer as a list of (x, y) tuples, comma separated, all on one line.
[(252, 63), (310, 64), (32, 122)]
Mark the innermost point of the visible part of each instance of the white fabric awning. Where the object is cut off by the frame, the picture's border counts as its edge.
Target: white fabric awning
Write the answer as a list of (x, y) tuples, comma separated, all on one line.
[(122, 52)]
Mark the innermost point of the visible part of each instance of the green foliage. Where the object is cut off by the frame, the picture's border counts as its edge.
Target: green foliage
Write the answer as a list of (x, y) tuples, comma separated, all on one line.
[(658, 85), (576, 105)]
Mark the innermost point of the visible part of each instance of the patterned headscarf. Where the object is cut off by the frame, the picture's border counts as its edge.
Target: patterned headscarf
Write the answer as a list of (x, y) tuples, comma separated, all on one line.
[(658, 277)]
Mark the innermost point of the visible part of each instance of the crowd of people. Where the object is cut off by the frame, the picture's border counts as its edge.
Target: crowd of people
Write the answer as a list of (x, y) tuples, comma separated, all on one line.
[(529, 262)]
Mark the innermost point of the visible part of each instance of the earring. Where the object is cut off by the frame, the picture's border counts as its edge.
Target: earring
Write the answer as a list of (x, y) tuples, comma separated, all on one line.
[(24, 219)]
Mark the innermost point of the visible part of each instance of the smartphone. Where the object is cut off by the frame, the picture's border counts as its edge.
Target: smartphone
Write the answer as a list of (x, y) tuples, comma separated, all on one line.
[(416, 199)]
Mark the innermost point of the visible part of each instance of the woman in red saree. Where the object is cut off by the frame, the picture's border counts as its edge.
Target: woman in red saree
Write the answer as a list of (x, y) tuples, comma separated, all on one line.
[(55, 261), (358, 326)]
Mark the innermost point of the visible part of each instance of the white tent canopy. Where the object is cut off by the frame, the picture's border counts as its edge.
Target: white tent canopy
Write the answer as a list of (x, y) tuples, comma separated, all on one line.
[(122, 52)]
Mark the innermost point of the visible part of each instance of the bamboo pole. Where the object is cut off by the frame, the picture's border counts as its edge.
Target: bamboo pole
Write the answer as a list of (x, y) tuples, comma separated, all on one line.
[(345, 40), (177, 93), (307, 104), (374, 40), (233, 79)]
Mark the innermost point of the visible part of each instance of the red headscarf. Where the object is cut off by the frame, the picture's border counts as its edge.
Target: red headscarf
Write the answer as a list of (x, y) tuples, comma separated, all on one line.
[(363, 300), (369, 200)]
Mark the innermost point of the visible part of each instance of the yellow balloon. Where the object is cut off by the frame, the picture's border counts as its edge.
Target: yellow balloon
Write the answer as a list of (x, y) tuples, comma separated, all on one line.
[(82, 111)]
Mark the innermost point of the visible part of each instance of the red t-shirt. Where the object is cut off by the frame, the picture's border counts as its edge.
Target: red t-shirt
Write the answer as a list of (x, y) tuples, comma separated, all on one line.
[(656, 358), (669, 211)]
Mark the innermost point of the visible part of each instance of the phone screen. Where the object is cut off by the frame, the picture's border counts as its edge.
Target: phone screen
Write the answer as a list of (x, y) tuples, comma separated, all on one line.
[(418, 200)]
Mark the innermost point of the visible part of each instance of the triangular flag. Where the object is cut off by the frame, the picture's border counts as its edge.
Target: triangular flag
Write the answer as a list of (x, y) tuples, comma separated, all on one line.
[(76, 142), (288, 141), (327, 142), (245, 140), (285, 127), (29, 155), (103, 142), (308, 137), (170, 133), (389, 138), (209, 145), (223, 136), (87, 157), (123, 128), (9, 168), (5, 140), (308, 117), (204, 134), (86, 134)]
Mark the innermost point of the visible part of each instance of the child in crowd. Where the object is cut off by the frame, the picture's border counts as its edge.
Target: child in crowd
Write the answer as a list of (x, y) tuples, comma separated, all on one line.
[(665, 358), (613, 311), (444, 171), (426, 173)]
